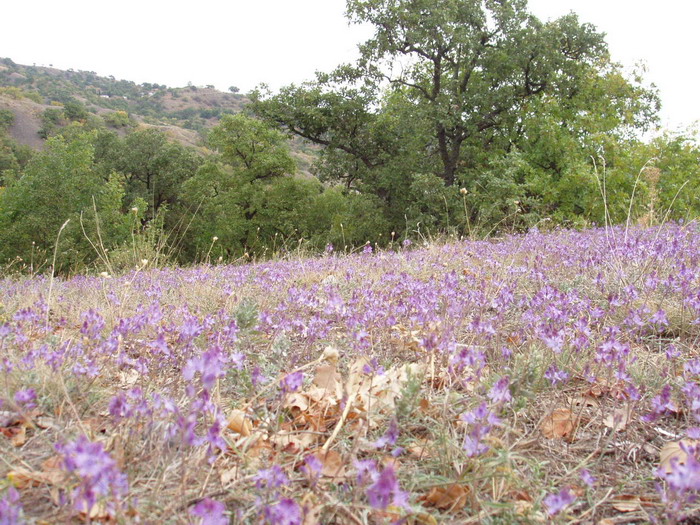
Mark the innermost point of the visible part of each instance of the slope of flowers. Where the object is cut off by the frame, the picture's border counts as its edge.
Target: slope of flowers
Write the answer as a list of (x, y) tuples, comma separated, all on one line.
[(551, 377)]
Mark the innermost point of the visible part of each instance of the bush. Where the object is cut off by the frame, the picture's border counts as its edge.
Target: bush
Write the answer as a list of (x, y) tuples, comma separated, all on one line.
[(117, 119), (7, 117)]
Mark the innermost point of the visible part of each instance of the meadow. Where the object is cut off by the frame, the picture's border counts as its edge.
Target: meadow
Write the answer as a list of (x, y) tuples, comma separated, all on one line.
[(551, 377)]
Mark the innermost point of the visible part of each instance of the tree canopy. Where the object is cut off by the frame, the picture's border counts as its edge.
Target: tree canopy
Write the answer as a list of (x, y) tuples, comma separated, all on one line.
[(448, 87)]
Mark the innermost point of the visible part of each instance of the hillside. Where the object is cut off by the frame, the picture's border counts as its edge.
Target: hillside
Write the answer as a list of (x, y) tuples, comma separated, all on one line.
[(184, 113), (191, 107)]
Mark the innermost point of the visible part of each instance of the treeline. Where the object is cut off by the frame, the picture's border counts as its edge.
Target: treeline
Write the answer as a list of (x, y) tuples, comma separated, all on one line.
[(460, 117), (144, 198)]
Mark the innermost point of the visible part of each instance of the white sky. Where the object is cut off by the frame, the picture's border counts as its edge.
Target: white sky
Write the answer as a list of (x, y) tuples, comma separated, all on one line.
[(246, 42)]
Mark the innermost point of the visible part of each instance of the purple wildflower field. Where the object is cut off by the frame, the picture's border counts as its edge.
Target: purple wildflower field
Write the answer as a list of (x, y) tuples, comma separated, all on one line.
[(552, 377)]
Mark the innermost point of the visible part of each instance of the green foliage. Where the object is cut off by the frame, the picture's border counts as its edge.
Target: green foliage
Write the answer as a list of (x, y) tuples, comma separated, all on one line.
[(7, 118), (75, 110), (13, 158), (151, 167), (51, 120), (12, 92), (252, 147), (60, 184), (481, 95), (117, 119)]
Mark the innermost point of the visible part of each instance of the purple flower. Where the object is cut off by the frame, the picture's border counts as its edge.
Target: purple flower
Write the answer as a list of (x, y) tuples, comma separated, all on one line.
[(99, 476), (10, 508), (556, 375), (693, 367), (390, 436), (93, 324), (5, 330), (500, 391), (271, 478), (210, 511), (26, 397), (555, 503), (385, 491), (373, 367), (659, 318), (286, 512), (683, 477), (312, 466), (210, 366), (660, 405), (366, 470), (257, 377), (292, 382), (472, 442), (587, 478), (672, 352)]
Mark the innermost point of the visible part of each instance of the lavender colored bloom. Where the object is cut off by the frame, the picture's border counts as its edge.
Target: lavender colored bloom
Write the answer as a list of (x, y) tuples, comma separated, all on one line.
[(385, 491), (472, 444), (271, 478), (500, 391), (210, 366), (390, 436), (312, 466), (659, 318), (373, 367), (660, 405), (555, 503), (26, 397), (366, 470), (99, 476), (93, 324), (292, 382), (556, 375), (237, 360), (210, 511), (286, 512), (587, 477), (11, 508), (257, 377), (693, 367)]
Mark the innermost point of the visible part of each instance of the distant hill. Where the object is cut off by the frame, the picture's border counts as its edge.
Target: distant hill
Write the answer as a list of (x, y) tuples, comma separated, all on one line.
[(35, 93)]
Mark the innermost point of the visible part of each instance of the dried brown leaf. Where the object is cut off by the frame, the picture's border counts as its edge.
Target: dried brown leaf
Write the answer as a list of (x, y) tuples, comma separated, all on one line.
[(627, 503), (673, 450), (51, 474), (421, 449), (327, 377), (450, 498), (333, 465), (294, 442), (238, 422), (559, 423), (618, 419)]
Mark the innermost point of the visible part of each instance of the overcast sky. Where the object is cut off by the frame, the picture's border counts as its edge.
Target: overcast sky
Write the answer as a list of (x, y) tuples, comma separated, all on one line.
[(244, 43)]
